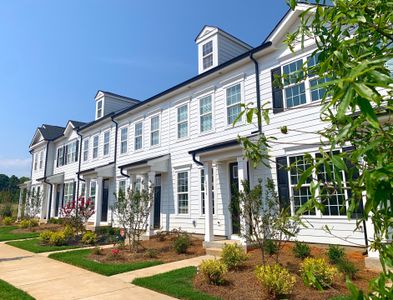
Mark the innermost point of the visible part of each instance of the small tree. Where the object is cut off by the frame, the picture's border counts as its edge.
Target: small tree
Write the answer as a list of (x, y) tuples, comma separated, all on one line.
[(77, 213), (33, 204), (132, 210)]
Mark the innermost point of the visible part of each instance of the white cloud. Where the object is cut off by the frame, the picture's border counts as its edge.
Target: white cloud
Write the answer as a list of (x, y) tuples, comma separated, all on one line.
[(15, 166)]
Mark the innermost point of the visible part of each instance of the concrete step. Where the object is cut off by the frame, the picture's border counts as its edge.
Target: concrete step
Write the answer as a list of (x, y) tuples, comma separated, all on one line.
[(220, 244), (214, 251)]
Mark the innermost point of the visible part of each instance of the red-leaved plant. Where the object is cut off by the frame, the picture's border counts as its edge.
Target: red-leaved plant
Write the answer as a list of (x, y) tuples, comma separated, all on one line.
[(77, 213)]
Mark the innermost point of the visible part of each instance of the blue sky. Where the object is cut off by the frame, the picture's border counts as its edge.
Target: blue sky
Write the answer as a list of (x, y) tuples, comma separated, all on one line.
[(55, 55)]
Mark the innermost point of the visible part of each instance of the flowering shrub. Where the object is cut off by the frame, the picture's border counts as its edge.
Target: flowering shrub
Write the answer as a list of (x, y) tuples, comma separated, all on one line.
[(317, 273), (213, 270), (77, 213)]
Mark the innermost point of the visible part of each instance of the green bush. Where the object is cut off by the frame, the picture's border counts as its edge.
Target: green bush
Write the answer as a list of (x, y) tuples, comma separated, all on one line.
[(348, 268), (335, 254), (8, 220), (270, 247), (89, 238), (301, 250), (56, 221), (45, 236), (181, 243), (97, 251), (151, 253), (213, 270), (233, 256), (28, 223), (68, 232), (57, 239), (317, 273), (276, 279)]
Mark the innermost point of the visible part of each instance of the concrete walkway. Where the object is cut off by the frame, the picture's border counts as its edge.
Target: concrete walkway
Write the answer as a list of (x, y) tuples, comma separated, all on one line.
[(44, 278)]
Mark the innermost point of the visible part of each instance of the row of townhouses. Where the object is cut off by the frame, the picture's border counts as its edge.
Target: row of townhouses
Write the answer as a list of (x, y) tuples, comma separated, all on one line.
[(183, 142)]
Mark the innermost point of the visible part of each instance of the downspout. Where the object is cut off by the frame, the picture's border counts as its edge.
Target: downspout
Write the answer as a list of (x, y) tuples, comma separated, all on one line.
[(117, 127), (199, 163), (124, 174), (80, 161), (258, 91), (45, 181)]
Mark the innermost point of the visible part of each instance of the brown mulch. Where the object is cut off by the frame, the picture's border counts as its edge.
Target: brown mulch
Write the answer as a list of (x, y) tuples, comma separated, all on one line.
[(164, 250), (242, 284), (42, 227)]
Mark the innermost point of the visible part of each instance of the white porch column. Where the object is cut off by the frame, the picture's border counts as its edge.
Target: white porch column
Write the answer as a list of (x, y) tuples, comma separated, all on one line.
[(151, 176), (49, 201), (44, 201), (20, 203), (242, 167), (53, 205), (209, 236), (98, 204)]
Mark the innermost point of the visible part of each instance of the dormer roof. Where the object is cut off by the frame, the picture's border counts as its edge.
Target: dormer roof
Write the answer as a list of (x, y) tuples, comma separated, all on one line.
[(101, 94), (209, 30)]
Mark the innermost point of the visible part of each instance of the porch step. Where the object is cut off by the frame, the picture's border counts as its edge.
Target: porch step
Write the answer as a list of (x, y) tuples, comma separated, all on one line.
[(214, 251), (220, 244)]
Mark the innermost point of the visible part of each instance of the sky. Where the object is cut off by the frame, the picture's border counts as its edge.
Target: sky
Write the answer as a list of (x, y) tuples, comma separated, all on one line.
[(55, 56)]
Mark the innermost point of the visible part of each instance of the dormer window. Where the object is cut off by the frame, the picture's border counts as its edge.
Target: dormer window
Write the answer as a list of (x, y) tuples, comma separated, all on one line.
[(99, 109), (207, 54)]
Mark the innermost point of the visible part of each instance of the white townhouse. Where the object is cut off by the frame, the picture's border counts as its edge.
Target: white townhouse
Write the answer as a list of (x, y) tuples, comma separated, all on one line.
[(182, 141)]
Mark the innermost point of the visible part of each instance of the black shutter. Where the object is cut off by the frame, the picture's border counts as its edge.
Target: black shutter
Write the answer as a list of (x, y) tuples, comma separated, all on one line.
[(65, 151), (73, 194), (278, 104), (58, 155), (282, 181), (62, 196), (77, 151)]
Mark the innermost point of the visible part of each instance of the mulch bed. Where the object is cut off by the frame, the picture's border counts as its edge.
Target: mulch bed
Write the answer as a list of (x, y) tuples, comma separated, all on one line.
[(42, 227), (242, 284), (164, 249)]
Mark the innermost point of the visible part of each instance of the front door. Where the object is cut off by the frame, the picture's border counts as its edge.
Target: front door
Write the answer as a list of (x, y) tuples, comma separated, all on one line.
[(157, 202), (105, 195), (234, 206)]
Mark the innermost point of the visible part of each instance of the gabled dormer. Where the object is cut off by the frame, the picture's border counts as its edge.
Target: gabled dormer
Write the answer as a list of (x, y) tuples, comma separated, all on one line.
[(215, 46), (107, 103)]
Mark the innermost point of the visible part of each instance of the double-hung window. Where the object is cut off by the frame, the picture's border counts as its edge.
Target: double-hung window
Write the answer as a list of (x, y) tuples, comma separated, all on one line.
[(123, 140), (85, 150), (106, 143), (41, 159), (138, 136), (99, 109), (294, 87), (95, 146), (203, 197), (182, 192), (233, 100), (68, 192), (317, 92), (205, 111), (72, 152), (182, 121), (35, 161), (60, 156), (207, 55), (155, 130)]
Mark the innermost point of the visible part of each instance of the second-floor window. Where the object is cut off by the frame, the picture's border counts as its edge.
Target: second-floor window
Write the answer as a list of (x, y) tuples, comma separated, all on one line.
[(41, 159), (317, 92), (60, 156), (233, 99), (155, 131), (95, 146), (294, 87), (99, 109), (71, 151), (182, 121), (207, 54), (123, 140), (106, 143), (85, 150), (35, 161), (205, 111), (138, 136)]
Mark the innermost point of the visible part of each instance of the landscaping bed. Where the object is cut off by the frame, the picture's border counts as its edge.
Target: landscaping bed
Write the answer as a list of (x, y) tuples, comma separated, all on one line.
[(9, 292)]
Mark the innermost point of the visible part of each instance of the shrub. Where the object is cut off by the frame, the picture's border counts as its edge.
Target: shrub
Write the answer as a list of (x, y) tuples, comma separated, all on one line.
[(89, 238), (270, 247), (301, 250), (28, 223), (97, 251), (161, 235), (317, 273), (233, 256), (56, 221), (151, 253), (45, 236), (276, 279), (68, 232), (347, 267), (8, 220), (335, 254), (213, 270), (181, 243), (57, 238), (115, 253)]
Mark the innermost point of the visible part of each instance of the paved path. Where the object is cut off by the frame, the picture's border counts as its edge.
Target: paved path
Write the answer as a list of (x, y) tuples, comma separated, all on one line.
[(44, 278)]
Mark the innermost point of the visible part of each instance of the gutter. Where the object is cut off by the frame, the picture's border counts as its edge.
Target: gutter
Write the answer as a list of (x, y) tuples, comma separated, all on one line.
[(50, 184), (258, 91), (117, 128)]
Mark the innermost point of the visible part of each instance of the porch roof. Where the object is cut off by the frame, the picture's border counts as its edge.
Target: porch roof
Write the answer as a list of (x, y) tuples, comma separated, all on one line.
[(157, 163), (216, 146)]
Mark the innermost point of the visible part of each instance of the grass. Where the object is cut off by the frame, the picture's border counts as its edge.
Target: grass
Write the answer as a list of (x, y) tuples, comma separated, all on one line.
[(177, 283), (80, 258), (9, 292), (7, 235), (34, 245)]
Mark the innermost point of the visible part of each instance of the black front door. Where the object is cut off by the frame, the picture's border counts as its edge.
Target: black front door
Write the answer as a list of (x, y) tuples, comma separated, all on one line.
[(105, 195), (57, 202), (157, 202), (234, 206)]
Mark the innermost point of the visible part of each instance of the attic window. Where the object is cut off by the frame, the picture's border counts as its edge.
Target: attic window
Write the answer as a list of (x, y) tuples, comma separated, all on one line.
[(207, 55), (99, 109)]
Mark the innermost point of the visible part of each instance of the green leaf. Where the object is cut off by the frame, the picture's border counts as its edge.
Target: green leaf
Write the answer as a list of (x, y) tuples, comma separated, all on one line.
[(364, 91), (339, 163), (368, 111)]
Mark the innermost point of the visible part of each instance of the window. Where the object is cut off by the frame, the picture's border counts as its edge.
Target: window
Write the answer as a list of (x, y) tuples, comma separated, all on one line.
[(68, 192), (182, 192), (99, 109), (41, 159), (207, 54), (70, 153), (83, 189), (138, 136), (122, 187), (233, 99), (154, 130), (123, 140), (317, 93), (138, 184), (35, 158), (203, 191), (73, 150), (95, 146), (182, 121), (93, 191), (205, 111), (85, 150), (294, 88), (106, 143), (60, 156)]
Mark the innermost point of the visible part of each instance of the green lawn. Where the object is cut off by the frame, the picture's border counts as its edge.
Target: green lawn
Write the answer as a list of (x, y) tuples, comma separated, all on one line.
[(10, 292), (34, 245), (79, 258), (177, 283), (7, 235)]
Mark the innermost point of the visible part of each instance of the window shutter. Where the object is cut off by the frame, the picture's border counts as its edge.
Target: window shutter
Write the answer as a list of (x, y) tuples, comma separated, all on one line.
[(73, 191), (58, 154), (65, 150), (278, 105), (62, 196), (77, 151), (282, 181)]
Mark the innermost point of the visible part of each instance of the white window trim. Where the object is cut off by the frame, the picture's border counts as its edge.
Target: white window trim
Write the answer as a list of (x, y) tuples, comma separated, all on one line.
[(127, 138), (41, 164), (242, 101), (134, 127), (213, 129), (86, 150), (188, 121), (211, 53), (102, 109), (98, 147), (159, 130), (188, 171), (103, 143)]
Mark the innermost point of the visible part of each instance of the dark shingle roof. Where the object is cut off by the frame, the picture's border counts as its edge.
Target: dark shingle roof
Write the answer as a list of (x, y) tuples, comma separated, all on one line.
[(50, 132), (77, 124)]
